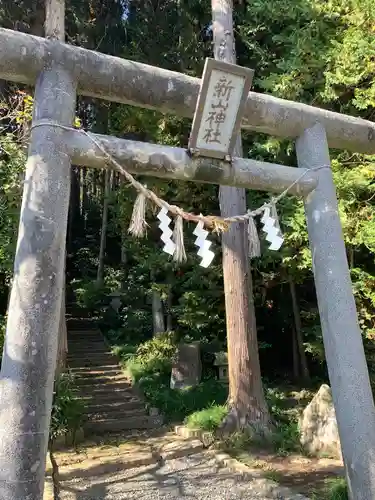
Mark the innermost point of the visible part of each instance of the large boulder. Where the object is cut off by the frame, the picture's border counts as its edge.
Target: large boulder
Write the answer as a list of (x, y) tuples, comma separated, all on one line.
[(186, 368), (318, 425)]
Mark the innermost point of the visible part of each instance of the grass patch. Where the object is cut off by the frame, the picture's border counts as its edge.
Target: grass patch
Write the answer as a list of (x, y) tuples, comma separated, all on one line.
[(177, 404), (208, 419), (124, 351), (273, 475), (335, 489)]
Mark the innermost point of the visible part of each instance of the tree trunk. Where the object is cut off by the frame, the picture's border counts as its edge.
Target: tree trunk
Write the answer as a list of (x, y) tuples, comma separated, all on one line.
[(83, 181), (296, 363), (169, 303), (157, 309), (157, 313), (298, 331), (246, 396), (103, 233)]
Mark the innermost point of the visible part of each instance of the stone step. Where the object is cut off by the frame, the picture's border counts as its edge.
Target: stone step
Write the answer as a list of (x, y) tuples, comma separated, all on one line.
[(81, 324), (105, 397), (83, 335), (87, 364), (96, 370), (88, 347), (115, 386), (94, 360), (117, 425), (83, 351), (115, 406), (116, 414), (79, 341), (111, 371), (84, 354), (83, 343), (96, 381)]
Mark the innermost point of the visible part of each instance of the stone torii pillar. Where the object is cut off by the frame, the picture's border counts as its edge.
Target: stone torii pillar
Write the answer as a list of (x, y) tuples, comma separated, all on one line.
[(348, 374), (30, 349)]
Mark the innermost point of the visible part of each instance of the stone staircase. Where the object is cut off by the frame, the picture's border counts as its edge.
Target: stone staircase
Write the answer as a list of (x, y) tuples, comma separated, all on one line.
[(112, 405)]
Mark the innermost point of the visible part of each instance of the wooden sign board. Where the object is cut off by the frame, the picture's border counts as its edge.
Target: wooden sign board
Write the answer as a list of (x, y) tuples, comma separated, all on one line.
[(219, 109)]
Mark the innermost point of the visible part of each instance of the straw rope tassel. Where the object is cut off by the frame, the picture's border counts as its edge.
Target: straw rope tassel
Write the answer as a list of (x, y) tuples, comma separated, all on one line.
[(178, 239), (138, 222), (254, 242)]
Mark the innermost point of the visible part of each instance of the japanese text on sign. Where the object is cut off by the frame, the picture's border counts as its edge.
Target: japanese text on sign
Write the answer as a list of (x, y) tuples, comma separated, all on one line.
[(220, 111), (218, 114)]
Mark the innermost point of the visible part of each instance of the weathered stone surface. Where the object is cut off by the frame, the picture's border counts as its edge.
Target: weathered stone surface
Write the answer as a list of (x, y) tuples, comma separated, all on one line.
[(318, 425), (187, 367)]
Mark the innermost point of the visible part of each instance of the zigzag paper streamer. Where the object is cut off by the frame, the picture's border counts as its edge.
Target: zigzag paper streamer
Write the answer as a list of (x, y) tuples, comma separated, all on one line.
[(203, 244), (166, 236), (273, 234)]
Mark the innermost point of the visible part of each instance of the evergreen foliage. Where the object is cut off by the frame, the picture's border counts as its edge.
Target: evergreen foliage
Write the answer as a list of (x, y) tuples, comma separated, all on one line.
[(312, 51)]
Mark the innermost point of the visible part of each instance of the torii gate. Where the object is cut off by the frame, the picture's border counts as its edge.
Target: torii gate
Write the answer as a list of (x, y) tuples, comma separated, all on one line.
[(60, 71)]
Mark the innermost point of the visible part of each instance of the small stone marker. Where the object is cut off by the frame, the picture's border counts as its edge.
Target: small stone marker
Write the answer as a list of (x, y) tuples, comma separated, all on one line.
[(187, 368), (318, 425)]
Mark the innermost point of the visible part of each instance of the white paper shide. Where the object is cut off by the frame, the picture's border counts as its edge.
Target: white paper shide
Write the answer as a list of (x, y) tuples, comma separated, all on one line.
[(270, 227), (203, 244), (166, 235)]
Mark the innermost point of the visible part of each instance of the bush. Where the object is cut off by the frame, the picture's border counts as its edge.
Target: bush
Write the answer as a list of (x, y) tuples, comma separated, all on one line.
[(67, 410), (157, 353), (286, 438), (335, 489), (208, 419), (152, 358), (88, 295), (151, 366), (177, 404)]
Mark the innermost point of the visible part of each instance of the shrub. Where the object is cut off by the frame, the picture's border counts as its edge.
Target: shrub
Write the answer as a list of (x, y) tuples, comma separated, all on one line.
[(150, 367), (335, 489), (152, 358), (160, 349), (88, 295), (286, 438), (67, 410), (208, 419)]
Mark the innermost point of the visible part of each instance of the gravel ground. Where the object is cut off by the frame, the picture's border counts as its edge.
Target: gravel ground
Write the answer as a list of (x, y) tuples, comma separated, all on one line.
[(194, 477)]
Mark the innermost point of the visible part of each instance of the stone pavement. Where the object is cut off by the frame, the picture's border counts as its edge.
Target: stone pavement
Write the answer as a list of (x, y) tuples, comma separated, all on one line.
[(157, 468)]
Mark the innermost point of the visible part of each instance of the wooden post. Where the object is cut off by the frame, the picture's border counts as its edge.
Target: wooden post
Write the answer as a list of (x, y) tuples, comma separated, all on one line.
[(103, 232), (246, 396), (30, 349), (348, 374)]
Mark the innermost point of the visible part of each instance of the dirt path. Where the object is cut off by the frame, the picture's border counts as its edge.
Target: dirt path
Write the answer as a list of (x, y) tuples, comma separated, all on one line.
[(156, 468), (195, 477), (303, 474)]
